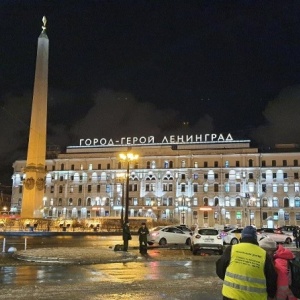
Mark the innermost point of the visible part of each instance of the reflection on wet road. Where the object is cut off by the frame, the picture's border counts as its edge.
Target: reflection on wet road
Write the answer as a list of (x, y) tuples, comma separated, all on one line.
[(115, 272)]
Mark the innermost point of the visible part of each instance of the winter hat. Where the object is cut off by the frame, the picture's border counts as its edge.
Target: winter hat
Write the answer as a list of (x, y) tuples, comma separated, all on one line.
[(267, 244), (249, 232)]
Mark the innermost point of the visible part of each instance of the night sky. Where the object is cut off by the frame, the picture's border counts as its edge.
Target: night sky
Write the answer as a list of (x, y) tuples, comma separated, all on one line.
[(139, 68)]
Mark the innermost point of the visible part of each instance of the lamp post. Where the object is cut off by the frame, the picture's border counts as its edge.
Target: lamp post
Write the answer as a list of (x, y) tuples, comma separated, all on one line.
[(128, 157), (121, 179)]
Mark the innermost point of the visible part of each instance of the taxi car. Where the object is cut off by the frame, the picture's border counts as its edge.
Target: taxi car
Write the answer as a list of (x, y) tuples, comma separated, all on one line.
[(206, 239), (232, 236), (275, 234)]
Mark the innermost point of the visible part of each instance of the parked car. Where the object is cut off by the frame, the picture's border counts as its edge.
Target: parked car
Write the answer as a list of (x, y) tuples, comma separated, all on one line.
[(206, 239), (168, 235), (275, 234), (232, 236), (184, 228), (288, 229)]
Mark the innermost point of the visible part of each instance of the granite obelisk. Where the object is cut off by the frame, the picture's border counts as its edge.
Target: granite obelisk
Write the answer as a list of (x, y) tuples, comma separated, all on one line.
[(34, 179)]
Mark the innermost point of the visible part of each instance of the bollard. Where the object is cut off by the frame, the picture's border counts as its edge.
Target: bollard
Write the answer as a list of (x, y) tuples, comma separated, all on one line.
[(25, 244), (4, 241)]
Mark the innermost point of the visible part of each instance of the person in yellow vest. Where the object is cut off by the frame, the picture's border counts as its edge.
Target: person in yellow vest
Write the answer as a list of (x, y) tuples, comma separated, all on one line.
[(247, 270)]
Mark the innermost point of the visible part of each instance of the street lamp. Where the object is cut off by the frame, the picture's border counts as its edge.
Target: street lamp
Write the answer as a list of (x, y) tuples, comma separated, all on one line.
[(128, 157), (121, 178)]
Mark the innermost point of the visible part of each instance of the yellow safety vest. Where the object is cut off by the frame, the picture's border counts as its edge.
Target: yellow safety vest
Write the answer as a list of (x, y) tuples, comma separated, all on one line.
[(245, 277)]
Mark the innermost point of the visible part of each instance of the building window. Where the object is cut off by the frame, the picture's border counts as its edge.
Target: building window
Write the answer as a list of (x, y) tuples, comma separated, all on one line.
[(296, 187), (70, 202), (205, 187), (170, 187), (205, 164), (59, 202), (61, 178), (216, 201), (182, 187), (284, 163), (99, 166), (226, 164), (205, 202), (227, 187), (227, 215), (98, 188), (275, 188), (89, 188), (148, 164), (286, 202), (73, 167), (216, 164), (264, 188), (297, 216), (205, 214), (296, 175), (165, 187), (79, 202), (263, 163), (275, 202), (183, 164), (90, 166), (295, 162), (71, 188), (285, 188), (108, 166), (153, 165), (264, 215), (171, 164), (238, 188), (80, 188), (216, 187), (297, 202), (62, 167), (250, 162), (216, 175), (166, 164), (195, 186), (238, 202), (183, 176), (237, 163), (60, 189), (273, 163)]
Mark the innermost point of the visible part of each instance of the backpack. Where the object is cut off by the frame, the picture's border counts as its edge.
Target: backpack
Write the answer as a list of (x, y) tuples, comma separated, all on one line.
[(294, 267)]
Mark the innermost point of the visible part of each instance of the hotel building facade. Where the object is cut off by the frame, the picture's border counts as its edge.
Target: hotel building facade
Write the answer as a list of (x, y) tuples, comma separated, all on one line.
[(211, 181)]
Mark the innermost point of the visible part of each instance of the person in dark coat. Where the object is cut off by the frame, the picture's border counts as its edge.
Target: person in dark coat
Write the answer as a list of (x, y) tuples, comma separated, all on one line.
[(126, 235), (296, 234), (248, 236), (143, 232)]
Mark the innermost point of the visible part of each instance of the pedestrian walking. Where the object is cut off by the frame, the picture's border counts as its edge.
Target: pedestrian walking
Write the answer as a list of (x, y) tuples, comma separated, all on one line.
[(247, 270), (126, 235), (296, 234), (143, 233), (281, 262)]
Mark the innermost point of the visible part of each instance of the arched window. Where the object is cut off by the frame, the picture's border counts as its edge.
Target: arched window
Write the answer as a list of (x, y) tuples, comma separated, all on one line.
[(216, 201), (250, 162), (88, 202), (286, 202), (238, 202), (171, 164), (205, 202)]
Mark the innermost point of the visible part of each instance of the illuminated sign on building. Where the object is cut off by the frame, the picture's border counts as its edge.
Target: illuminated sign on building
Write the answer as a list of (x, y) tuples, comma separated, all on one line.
[(148, 140)]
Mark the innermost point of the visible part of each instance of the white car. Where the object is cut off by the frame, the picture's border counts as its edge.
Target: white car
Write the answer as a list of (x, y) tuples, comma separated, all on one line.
[(232, 236), (168, 235), (275, 234), (206, 239)]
